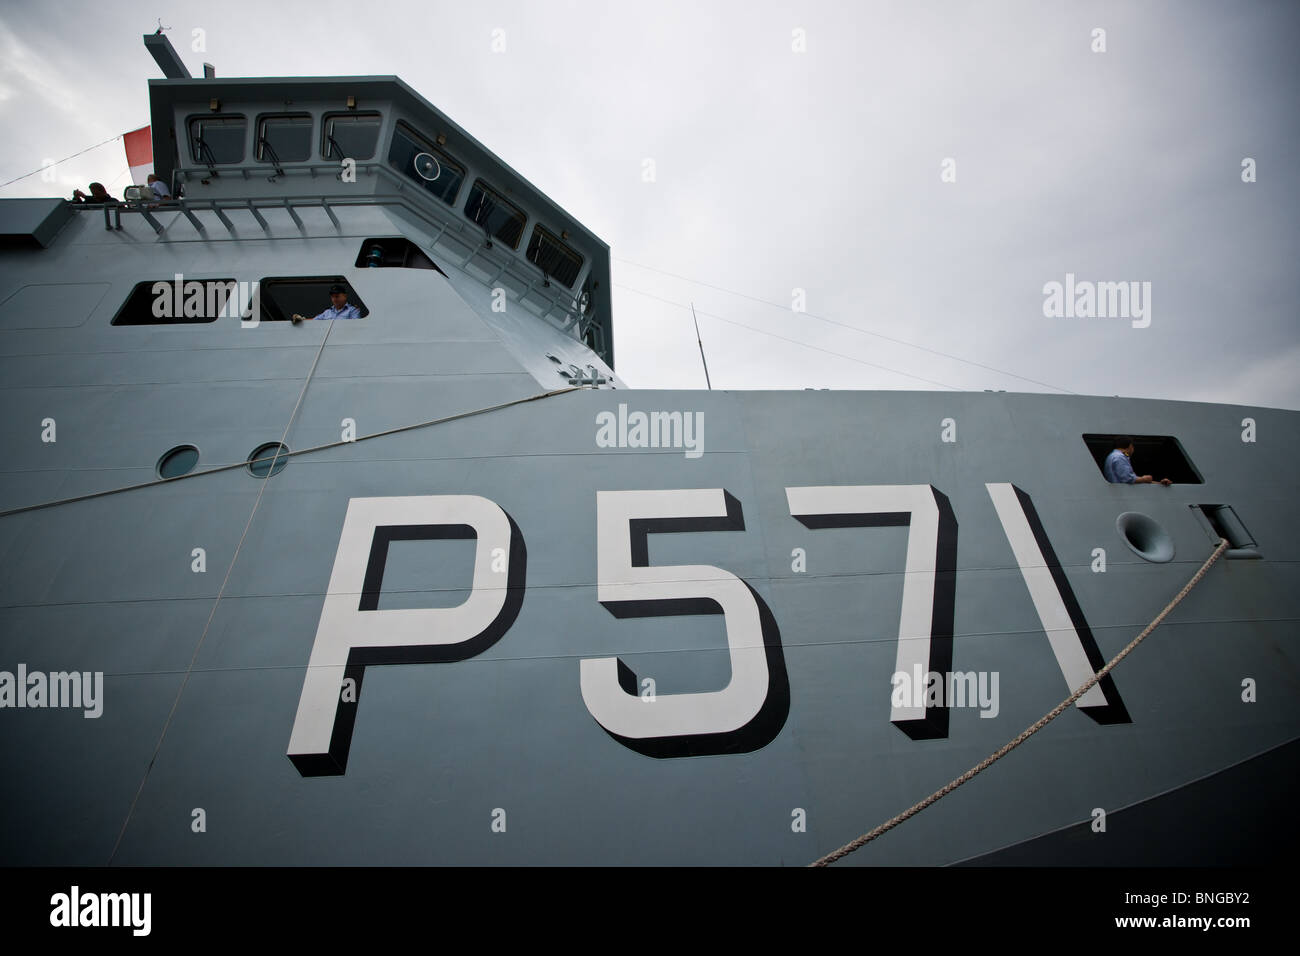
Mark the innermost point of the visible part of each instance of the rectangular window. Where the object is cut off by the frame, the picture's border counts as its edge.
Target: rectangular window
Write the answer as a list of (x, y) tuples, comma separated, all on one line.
[(490, 210), (218, 140), (350, 135), (418, 159), (284, 139), (168, 302), (1160, 456), (308, 296), (393, 252), (553, 257)]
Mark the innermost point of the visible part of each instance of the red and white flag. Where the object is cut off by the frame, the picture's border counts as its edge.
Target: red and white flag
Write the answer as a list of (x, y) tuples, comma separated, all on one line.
[(139, 153)]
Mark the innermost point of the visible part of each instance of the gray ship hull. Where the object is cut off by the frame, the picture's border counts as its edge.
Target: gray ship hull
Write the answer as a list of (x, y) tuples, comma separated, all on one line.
[(495, 607), (439, 749)]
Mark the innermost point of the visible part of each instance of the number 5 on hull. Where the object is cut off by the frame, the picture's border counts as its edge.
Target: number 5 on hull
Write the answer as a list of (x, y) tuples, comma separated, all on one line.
[(747, 713)]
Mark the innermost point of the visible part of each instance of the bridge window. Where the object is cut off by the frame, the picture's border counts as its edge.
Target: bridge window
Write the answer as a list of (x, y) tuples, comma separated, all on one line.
[(416, 158), (553, 257), (498, 216), (284, 139), (307, 296), (218, 140), (393, 252), (1160, 456), (350, 135), (168, 302)]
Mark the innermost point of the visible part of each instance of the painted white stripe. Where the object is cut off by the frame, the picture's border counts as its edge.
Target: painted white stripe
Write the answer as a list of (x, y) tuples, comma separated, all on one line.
[(1055, 619)]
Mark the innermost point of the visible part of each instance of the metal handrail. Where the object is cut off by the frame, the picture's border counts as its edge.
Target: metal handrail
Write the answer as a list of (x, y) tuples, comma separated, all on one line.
[(555, 299)]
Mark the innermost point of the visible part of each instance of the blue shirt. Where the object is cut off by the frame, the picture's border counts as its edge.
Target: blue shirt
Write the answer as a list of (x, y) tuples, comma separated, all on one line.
[(1117, 468), (348, 311)]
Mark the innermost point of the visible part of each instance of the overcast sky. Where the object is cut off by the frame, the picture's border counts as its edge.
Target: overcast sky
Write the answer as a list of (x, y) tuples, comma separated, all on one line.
[(801, 146)]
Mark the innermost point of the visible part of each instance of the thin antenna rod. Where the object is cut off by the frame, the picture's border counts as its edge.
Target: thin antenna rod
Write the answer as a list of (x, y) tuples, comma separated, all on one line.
[(698, 339)]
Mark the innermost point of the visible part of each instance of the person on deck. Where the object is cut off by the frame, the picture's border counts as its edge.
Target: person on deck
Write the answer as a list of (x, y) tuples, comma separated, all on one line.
[(1119, 471), (98, 194), (339, 307), (159, 188)]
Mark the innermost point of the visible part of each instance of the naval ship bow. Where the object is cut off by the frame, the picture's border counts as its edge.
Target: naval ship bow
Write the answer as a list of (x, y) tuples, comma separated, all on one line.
[(433, 585)]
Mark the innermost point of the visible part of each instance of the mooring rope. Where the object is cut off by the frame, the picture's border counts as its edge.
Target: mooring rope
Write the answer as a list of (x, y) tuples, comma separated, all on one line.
[(1029, 732)]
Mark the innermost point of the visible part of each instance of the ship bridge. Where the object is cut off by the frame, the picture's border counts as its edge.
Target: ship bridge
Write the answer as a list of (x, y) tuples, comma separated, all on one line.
[(289, 156)]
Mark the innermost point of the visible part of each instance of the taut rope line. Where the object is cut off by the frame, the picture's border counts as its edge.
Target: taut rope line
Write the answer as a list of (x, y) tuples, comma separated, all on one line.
[(1030, 731)]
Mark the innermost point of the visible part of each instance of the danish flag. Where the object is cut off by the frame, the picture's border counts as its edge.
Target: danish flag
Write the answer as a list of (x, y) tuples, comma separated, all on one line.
[(139, 153)]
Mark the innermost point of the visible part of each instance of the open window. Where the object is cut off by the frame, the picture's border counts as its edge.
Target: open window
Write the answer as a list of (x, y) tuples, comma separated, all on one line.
[(393, 252), (308, 296), (173, 302), (1160, 456)]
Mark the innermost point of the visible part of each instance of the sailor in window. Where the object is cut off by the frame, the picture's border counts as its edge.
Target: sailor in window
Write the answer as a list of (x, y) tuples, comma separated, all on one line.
[(1119, 471), (339, 307)]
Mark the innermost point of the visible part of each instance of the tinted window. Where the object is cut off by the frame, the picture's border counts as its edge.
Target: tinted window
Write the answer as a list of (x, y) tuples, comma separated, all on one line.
[(167, 302), (268, 459), (216, 140), (553, 257), (350, 135), (501, 218), (286, 139), (179, 461), (416, 158)]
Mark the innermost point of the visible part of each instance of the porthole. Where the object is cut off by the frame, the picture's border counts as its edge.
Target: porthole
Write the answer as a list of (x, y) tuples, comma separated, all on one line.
[(179, 461), (1145, 537), (268, 459)]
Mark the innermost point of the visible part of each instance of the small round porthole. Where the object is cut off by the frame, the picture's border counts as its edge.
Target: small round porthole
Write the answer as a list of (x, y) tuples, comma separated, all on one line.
[(179, 461), (1145, 537), (267, 460)]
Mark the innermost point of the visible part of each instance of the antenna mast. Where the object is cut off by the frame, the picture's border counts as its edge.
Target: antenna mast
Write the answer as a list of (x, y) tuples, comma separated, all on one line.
[(698, 339)]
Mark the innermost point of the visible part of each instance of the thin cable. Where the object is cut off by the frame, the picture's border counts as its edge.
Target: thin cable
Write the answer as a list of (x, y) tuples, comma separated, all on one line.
[(815, 348), (215, 604), (289, 454), (1030, 731), (845, 325), (63, 160)]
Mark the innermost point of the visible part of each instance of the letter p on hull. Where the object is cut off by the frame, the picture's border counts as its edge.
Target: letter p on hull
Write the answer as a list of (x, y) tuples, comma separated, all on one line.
[(354, 632)]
